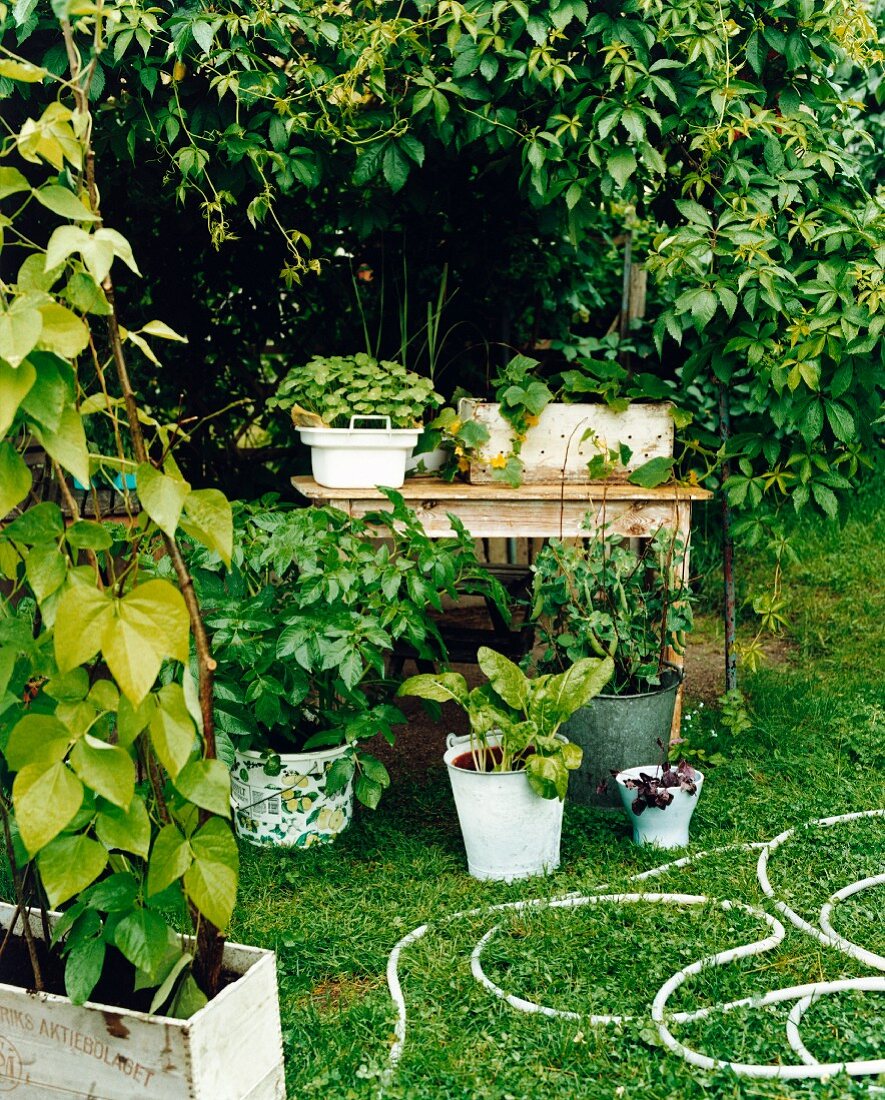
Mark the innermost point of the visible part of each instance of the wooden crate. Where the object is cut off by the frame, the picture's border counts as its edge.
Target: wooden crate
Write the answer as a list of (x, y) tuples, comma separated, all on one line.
[(230, 1050), (555, 449)]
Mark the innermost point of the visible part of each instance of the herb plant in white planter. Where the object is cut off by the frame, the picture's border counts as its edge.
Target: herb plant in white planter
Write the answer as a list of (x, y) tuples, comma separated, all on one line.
[(659, 801), (509, 775), (603, 598), (360, 416)]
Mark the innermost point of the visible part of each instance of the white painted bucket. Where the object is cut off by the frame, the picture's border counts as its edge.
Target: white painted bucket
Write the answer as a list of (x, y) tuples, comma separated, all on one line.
[(360, 458), (660, 828), (290, 809), (509, 831)]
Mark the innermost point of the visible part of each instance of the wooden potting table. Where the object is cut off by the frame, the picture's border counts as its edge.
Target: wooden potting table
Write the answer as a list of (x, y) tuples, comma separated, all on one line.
[(561, 510)]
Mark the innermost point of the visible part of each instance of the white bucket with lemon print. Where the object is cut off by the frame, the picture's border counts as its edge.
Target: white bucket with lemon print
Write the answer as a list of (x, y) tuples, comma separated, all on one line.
[(289, 809)]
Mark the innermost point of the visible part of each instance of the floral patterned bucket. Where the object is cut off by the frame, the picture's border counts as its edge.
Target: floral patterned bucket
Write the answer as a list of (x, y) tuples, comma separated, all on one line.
[(291, 809)]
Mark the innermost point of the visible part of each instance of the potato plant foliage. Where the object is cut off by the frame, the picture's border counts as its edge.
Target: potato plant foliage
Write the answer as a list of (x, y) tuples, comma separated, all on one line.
[(111, 796)]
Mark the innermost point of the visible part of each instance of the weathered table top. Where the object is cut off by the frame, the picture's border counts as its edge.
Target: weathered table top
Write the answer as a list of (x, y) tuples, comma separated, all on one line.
[(535, 511)]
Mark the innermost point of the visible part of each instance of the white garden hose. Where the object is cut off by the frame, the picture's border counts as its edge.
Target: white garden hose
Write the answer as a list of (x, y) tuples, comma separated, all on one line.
[(803, 995)]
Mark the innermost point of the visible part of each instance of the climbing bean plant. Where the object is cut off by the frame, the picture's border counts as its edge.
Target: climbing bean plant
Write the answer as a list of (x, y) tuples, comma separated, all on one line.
[(113, 801)]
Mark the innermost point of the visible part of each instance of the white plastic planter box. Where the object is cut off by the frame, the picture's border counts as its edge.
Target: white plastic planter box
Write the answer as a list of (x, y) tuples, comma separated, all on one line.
[(230, 1050), (554, 449), (509, 830), (360, 458), (290, 809), (656, 828)]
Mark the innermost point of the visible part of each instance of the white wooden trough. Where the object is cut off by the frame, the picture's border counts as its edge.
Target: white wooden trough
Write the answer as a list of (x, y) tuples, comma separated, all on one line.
[(230, 1050), (555, 449)]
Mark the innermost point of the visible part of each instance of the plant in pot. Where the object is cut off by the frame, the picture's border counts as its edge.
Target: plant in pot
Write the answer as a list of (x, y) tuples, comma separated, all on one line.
[(360, 416), (303, 623), (510, 774), (113, 804), (660, 800), (603, 598)]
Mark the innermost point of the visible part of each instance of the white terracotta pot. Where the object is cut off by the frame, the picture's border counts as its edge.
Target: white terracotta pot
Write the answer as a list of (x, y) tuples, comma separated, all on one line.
[(360, 458), (290, 809), (666, 828), (509, 831), (230, 1050)]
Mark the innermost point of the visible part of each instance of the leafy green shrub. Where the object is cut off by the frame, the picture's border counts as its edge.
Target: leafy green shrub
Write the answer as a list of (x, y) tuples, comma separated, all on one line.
[(602, 598), (338, 387), (305, 618)]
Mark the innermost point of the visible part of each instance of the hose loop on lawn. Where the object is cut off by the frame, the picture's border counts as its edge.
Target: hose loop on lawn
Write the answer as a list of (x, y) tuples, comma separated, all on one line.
[(803, 996)]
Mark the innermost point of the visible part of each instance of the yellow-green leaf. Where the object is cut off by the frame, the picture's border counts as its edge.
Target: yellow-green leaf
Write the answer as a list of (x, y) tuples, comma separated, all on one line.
[(68, 865), (11, 182), (15, 478), (149, 625), (172, 730), (36, 739), (170, 858), (106, 769), (211, 880), (206, 783), (63, 202), (80, 620), (63, 331), (67, 444), (20, 328), (23, 71), (209, 520), (161, 496), (45, 801), (15, 382), (161, 329), (129, 830)]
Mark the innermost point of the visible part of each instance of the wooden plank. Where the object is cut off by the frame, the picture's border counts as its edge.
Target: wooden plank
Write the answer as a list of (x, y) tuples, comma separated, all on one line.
[(432, 489)]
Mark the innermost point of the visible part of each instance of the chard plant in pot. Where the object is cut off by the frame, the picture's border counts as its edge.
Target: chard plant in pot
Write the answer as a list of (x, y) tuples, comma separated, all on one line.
[(303, 622), (114, 806), (660, 800), (603, 598), (510, 774), (360, 416)]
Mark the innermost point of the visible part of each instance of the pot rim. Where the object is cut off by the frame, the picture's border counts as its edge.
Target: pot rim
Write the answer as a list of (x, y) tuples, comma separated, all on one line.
[(360, 433), (654, 770), (461, 745), (668, 667), (296, 757)]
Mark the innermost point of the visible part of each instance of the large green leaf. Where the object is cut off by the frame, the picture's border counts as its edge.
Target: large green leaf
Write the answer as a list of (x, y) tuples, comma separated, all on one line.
[(67, 444), (211, 880), (161, 496), (12, 182), (63, 331), (172, 730), (655, 472), (45, 801), (80, 620), (15, 382), (443, 688), (170, 858), (37, 739), (46, 568), (508, 680), (547, 776), (68, 865), (15, 478), (63, 202), (575, 687), (20, 328), (106, 769), (128, 830), (206, 783), (143, 939), (149, 624), (83, 968), (209, 520)]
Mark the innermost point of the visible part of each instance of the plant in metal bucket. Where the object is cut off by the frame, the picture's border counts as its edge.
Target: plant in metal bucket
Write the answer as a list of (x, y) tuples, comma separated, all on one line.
[(515, 719)]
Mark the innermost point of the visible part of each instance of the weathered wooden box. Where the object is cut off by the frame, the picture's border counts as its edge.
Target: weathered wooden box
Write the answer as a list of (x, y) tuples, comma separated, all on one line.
[(555, 448), (230, 1050)]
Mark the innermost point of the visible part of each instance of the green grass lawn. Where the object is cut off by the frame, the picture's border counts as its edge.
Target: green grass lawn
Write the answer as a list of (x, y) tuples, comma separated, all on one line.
[(816, 747)]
